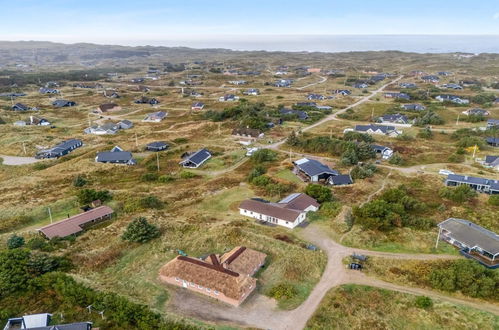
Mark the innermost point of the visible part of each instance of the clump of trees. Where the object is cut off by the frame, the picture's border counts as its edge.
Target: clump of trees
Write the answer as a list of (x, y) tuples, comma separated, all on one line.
[(394, 208), (319, 192), (429, 118), (460, 194), (140, 231), (363, 171), (15, 242), (467, 276), (252, 115), (87, 196), (263, 156)]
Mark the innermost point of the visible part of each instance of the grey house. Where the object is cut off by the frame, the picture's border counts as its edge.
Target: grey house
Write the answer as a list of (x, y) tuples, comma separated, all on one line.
[(116, 156), (484, 185), (63, 103), (302, 115), (157, 146), (472, 240), (413, 107), (393, 119), (60, 149), (313, 170), (195, 159)]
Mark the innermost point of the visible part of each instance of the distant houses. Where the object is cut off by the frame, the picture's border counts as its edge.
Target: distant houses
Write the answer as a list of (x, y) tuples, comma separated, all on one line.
[(63, 103), (146, 100), (413, 107), (228, 98), (60, 149), (472, 240), (155, 117), (283, 83), (407, 85), (252, 92), (195, 159), (390, 131), (21, 107), (33, 121), (393, 95), (43, 321), (343, 92), (492, 162), (482, 185), (430, 79), (77, 223), (248, 133), (319, 97), (45, 90), (452, 98), (493, 141), (107, 107), (226, 277), (301, 115), (197, 106), (476, 112), (385, 152), (452, 86), (492, 123), (157, 146), (116, 156), (105, 129), (396, 118), (289, 212)]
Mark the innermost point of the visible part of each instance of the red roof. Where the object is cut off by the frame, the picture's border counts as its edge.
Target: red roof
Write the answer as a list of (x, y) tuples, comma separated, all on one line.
[(73, 224)]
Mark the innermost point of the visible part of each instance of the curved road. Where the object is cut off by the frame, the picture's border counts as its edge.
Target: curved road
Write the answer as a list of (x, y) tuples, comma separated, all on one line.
[(14, 160)]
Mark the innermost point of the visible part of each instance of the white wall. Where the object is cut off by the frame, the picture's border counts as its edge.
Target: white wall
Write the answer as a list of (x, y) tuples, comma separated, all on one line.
[(280, 222)]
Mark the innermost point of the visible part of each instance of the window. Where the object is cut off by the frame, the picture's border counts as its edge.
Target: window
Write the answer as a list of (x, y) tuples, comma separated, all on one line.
[(177, 279), (208, 290), (192, 284), (200, 287), (216, 292)]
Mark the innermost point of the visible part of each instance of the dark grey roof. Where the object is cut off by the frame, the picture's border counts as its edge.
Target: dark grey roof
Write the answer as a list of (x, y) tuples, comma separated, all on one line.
[(301, 114), (158, 144), (492, 122), (198, 157), (69, 326), (394, 117), (471, 235), (114, 156), (341, 179), (313, 167), (63, 103), (383, 128), (490, 159), (378, 148), (470, 179)]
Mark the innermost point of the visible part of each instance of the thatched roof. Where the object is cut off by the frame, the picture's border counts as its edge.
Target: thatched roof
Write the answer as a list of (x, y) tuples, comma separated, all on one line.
[(242, 260), (215, 277)]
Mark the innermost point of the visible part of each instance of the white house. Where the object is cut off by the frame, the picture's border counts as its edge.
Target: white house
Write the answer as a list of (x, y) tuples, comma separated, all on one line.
[(289, 212), (155, 117)]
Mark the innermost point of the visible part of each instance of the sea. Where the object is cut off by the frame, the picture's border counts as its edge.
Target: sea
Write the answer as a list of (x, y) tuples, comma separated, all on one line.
[(473, 44)]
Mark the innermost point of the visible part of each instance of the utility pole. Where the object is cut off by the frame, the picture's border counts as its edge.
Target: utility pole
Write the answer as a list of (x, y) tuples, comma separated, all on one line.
[(50, 215), (136, 140), (157, 160), (457, 120), (474, 151), (24, 148), (438, 238), (372, 114)]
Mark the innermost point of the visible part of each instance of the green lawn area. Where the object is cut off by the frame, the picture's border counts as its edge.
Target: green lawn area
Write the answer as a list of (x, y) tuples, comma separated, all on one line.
[(288, 175), (364, 307), (222, 201)]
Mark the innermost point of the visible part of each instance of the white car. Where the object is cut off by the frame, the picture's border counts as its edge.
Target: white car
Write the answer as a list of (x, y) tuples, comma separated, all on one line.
[(445, 172), (251, 151)]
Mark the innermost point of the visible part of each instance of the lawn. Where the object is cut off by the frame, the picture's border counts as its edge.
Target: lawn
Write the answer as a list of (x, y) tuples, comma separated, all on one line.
[(364, 307)]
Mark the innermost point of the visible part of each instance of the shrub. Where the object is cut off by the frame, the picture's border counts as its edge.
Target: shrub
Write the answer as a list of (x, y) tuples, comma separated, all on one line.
[(261, 180), (320, 193), (425, 133), (396, 159), (166, 178), (187, 175), (283, 291), (423, 302), (263, 155), (180, 140), (140, 231), (38, 243), (460, 194), (79, 181), (151, 202), (494, 200), (15, 242), (363, 171), (87, 196), (256, 172), (148, 177)]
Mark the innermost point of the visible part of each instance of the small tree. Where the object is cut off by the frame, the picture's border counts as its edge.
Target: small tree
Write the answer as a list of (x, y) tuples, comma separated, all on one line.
[(151, 202), (263, 155), (423, 302), (79, 181), (15, 242), (86, 196), (140, 231), (320, 193)]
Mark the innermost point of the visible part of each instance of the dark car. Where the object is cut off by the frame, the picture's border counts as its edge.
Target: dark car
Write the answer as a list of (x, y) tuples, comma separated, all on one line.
[(355, 266)]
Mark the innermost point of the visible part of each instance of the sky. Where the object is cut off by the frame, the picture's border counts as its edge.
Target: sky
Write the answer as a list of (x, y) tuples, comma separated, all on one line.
[(135, 22)]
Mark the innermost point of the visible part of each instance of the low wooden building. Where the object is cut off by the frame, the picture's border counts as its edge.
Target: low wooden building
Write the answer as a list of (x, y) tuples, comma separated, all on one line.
[(77, 223)]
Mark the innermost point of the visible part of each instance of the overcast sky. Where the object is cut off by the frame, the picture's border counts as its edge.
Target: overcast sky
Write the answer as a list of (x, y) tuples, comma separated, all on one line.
[(132, 22)]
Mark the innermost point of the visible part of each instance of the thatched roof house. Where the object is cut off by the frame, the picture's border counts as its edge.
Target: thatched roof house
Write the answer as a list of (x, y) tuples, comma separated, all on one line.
[(226, 278)]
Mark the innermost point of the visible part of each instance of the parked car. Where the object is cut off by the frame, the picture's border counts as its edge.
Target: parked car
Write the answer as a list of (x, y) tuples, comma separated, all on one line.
[(355, 266), (445, 172)]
